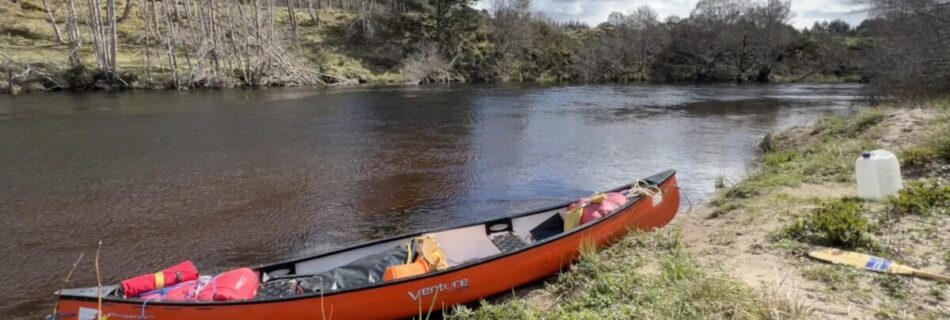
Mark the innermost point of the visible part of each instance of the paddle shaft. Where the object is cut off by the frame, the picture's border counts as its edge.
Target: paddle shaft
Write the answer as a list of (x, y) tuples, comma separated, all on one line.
[(932, 276)]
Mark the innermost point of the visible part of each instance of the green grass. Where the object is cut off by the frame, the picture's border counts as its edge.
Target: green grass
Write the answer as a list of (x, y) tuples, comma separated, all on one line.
[(918, 156), (935, 147), (836, 223), (840, 282), (645, 276), (894, 286), (941, 145), (921, 198), (828, 156), (837, 278), (852, 126)]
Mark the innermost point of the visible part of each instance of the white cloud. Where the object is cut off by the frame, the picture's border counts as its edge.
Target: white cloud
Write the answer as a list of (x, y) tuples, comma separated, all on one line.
[(593, 12)]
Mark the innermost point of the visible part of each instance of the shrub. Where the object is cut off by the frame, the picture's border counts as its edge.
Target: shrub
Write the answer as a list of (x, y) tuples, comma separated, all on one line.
[(79, 77), (426, 65), (921, 198), (918, 156), (866, 118), (941, 146), (768, 143), (778, 157), (836, 223)]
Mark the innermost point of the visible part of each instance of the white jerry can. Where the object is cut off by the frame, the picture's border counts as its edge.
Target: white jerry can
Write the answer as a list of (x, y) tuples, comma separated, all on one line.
[(878, 173)]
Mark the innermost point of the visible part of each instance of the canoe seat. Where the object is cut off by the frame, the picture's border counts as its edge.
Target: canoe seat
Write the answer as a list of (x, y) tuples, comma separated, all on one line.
[(465, 244), (549, 228), (507, 241)]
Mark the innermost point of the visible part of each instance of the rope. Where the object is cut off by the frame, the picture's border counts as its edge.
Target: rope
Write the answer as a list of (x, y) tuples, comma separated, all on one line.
[(685, 195), (653, 191), (637, 190), (203, 284), (143, 306)]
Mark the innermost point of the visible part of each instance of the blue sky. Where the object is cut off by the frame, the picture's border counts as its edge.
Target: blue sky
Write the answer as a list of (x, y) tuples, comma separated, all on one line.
[(593, 12)]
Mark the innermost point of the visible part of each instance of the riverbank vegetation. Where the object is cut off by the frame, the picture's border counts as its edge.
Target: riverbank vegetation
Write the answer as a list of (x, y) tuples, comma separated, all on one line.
[(90, 44)]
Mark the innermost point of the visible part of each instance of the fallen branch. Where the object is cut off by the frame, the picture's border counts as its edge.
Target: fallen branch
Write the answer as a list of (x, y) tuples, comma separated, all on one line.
[(98, 284), (65, 282)]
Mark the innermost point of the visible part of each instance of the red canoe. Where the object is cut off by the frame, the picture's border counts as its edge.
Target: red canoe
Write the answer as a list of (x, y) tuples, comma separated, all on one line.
[(484, 259)]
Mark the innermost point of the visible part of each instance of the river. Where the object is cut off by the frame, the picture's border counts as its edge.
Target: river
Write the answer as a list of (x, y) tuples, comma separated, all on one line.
[(234, 177)]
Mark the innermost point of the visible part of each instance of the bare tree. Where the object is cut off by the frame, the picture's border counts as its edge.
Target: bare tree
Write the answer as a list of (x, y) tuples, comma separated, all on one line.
[(426, 65), (147, 53), (650, 38), (72, 30), (770, 20), (125, 12), (113, 40), (512, 25), (292, 16), (911, 53), (52, 21)]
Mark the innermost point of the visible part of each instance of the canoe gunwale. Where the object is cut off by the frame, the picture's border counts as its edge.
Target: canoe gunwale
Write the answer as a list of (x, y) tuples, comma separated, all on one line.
[(654, 180)]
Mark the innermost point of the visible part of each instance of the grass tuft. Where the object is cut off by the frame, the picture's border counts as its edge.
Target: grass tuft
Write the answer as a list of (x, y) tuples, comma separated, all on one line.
[(941, 146), (921, 198), (836, 223), (865, 119), (918, 156), (838, 278), (849, 127), (896, 287)]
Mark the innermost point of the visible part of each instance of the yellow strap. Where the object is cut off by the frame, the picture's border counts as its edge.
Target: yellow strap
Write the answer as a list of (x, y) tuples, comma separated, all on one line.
[(159, 280), (599, 198), (573, 217), (432, 253)]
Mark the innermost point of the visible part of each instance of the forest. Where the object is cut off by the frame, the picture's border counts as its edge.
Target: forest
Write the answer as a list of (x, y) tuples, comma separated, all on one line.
[(181, 44)]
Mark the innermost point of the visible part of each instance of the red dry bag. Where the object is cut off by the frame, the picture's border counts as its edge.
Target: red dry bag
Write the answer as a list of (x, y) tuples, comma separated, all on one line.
[(237, 284), (599, 205), (179, 273)]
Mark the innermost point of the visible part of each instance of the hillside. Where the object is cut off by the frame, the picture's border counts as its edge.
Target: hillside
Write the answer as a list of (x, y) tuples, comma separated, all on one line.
[(28, 42)]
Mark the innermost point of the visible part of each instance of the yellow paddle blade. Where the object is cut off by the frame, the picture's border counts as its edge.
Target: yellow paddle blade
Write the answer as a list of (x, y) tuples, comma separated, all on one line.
[(854, 259), (869, 262)]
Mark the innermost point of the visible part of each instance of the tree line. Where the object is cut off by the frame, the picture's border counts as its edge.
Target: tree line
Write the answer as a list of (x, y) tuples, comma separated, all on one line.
[(194, 43)]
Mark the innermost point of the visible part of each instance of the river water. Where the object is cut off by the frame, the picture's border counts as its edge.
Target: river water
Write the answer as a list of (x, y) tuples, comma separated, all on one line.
[(233, 177)]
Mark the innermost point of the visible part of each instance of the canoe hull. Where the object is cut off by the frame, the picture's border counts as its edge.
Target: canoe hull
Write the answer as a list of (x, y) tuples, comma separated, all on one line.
[(412, 298)]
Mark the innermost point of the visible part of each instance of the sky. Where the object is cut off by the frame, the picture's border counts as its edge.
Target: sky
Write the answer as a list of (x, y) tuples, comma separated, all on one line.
[(593, 12)]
